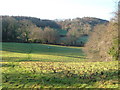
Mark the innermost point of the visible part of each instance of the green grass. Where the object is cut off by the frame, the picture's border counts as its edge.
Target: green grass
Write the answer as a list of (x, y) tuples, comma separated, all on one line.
[(40, 52), (60, 75), (35, 66)]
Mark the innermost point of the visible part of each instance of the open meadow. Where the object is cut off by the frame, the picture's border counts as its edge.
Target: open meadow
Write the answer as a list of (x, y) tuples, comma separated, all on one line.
[(59, 44), (28, 65)]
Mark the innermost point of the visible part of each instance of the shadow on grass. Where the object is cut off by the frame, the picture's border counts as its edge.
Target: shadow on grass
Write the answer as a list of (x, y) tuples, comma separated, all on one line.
[(21, 59), (38, 60), (31, 58), (8, 65), (58, 79)]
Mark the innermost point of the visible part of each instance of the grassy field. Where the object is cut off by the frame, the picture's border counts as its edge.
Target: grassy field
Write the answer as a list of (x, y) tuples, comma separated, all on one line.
[(39, 52), (37, 66)]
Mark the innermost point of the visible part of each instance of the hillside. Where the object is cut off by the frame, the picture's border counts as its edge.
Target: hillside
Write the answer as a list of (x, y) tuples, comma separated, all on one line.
[(85, 23), (39, 22), (65, 32)]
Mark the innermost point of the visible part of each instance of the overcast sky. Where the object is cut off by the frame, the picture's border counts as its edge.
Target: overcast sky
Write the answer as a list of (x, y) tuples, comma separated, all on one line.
[(58, 9)]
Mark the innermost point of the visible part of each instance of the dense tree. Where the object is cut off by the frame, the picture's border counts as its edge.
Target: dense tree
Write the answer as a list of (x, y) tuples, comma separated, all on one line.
[(103, 42), (50, 35), (95, 41), (16, 31), (36, 35), (85, 24), (9, 29), (25, 29), (72, 36)]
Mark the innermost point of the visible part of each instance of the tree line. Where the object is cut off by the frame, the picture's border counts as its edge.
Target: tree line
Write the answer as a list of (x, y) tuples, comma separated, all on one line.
[(29, 29), (103, 44), (25, 31)]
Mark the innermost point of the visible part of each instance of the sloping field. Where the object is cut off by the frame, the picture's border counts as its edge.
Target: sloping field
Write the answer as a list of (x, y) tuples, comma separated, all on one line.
[(49, 66), (39, 52)]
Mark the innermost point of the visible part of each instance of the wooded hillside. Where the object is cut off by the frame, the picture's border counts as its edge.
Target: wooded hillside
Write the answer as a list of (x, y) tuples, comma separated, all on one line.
[(65, 32)]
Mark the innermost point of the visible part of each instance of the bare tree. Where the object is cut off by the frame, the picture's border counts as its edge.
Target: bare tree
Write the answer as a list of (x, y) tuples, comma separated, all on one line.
[(72, 36), (50, 35)]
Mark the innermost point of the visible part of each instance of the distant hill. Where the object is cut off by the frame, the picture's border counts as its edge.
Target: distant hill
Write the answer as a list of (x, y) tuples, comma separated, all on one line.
[(85, 23), (62, 24), (39, 22)]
